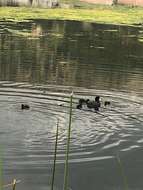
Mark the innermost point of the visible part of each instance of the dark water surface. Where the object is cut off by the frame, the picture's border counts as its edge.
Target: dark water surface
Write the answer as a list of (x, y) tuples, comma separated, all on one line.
[(41, 62)]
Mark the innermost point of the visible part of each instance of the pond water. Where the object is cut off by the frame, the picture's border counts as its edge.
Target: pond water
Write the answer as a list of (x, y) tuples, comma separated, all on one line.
[(41, 63)]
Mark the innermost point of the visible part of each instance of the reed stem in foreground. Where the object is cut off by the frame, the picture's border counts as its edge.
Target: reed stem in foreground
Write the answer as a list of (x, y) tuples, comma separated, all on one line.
[(14, 184), (1, 172), (55, 156), (65, 186), (122, 173)]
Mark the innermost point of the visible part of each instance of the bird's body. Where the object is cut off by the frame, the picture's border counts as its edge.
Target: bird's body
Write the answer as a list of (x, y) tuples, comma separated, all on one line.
[(93, 104), (80, 103), (25, 107), (90, 104), (106, 103)]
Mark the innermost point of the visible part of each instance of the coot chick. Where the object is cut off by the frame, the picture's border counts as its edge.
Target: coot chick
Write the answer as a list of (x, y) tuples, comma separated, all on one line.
[(107, 103), (91, 104), (94, 104), (25, 107), (97, 101), (80, 103)]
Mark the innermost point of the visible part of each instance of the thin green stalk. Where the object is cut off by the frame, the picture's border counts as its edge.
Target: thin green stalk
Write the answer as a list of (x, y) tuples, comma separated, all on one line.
[(1, 172), (65, 186), (14, 184), (122, 173), (55, 156)]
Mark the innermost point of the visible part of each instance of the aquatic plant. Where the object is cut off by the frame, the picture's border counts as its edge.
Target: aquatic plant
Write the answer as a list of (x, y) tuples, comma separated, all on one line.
[(65, 185), (55, 156), (14, 184), (122, 173), (1, 173)]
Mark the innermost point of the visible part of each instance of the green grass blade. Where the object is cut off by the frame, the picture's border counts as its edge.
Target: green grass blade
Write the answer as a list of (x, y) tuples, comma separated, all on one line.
[(65, 186), (122, 173), (1, 171), (14, 184), (55, 156)]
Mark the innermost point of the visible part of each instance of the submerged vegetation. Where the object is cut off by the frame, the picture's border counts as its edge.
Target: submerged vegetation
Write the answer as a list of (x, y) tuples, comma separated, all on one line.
[(121, 15)]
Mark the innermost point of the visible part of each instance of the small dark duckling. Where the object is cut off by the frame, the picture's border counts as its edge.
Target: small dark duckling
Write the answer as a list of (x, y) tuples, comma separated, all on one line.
[(94, 104), (97, 100), (80, 103), (25, 107), (107, 103)]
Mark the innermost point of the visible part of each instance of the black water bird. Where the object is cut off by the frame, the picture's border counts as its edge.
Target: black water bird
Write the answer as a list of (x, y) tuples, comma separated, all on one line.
[(107, 103), (80, 103), (94, 104), (97, 101), (25, 107), (90, 104)]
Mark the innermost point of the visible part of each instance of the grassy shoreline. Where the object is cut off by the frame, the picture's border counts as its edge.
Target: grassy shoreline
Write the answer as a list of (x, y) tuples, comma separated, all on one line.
[(119, 15)]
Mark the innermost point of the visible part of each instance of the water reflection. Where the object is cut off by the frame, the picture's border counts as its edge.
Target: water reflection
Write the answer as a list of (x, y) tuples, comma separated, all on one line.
[(40, 61), (72, 53)]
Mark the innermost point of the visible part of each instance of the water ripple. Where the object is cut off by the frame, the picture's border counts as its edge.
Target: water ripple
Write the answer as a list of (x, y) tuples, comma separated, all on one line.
[(94, 136)]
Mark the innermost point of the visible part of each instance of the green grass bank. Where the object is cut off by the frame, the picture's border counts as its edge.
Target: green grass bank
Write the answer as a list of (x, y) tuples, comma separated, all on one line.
[(119, 15)]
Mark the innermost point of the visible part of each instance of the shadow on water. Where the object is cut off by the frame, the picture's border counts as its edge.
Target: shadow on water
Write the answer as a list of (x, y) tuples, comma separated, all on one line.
[(41, 62)]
